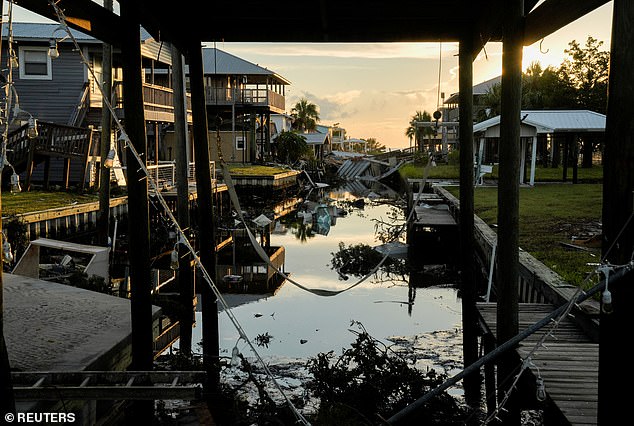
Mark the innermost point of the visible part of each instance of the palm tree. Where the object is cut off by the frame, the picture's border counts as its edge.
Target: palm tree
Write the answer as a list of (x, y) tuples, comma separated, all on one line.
[(418, 133), (306, 115)]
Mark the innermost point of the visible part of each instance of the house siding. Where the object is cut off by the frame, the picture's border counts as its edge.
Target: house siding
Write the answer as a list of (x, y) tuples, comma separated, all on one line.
[(53, 100)]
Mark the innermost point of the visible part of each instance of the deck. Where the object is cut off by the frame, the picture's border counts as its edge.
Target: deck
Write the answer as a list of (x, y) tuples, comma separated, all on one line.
[(567, 363)]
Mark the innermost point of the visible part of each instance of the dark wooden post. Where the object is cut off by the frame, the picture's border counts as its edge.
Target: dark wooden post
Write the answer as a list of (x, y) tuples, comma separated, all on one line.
[(103, 216), (182, 187), (211, 344), (467, 266), (575, 159), (7, 400), (139, 228), (508, 196), (618, 187)]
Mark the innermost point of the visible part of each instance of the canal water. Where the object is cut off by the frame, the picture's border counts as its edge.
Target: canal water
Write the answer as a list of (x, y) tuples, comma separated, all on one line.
[(301, 324)]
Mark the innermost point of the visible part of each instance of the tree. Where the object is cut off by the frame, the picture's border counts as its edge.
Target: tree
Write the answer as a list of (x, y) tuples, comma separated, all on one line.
[(291, 147), (585, 73), (373, 146), (417, 132), (306, 115)]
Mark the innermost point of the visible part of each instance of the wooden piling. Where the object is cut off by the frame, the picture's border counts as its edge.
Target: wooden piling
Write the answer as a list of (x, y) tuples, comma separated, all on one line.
[(467, 263), (508, 197), (103, 217), (185, 274), (138, 223), (206, 217), (615, 376)]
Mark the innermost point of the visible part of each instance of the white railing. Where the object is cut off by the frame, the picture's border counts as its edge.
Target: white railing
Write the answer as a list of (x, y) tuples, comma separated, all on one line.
[(164, 173), (191, 171)]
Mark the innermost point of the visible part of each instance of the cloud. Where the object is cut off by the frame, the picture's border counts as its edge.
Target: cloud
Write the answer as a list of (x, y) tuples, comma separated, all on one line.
[(345, 50)]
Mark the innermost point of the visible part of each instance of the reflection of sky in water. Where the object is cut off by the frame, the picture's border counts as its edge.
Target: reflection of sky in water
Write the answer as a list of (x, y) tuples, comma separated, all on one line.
[(294, 314)]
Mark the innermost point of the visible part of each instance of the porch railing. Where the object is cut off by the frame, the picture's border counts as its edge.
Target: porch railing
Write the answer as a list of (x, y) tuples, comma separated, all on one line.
[(256, 97)]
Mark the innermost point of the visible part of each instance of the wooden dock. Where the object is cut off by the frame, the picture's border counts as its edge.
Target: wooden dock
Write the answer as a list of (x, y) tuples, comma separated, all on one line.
[(434, 216), (568, 363)]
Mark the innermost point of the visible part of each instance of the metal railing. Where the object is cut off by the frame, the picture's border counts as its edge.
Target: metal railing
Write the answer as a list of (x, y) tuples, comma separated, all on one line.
[(164, 173), (258, 97)]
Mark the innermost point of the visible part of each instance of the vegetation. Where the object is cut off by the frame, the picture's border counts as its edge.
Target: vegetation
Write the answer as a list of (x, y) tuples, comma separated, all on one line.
[(291, 147), (542, 174), (26, 202), (551, 215), (306, 115), (580, 82), (368, 383), (254, 170), (419, 134)]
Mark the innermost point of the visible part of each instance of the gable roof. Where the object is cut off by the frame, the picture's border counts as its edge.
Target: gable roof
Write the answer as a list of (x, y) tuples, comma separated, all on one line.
[(316, 138), (44, 31), (478, 89), (551, 121), (216, 61)]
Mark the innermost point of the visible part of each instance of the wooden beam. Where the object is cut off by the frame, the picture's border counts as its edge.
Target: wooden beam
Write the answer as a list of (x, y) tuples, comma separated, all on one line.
[(552, 15), (85, 16)]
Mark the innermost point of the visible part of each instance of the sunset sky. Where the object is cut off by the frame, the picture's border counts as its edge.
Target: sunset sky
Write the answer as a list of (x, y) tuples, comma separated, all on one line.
[(372, 90)]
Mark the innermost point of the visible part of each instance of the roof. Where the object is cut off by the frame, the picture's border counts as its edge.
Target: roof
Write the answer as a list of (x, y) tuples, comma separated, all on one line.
[(316, 138), (40, 31), (478, 89), (216, 61), (552, 121)]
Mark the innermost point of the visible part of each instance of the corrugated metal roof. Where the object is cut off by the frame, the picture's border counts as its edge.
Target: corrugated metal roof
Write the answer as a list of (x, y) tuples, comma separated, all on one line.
[(551, 121), (316, 138), (216, 61), (39, 31)]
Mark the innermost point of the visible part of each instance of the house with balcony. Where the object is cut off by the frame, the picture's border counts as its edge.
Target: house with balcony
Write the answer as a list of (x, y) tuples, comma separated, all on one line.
[(245, 106), (56, 89)]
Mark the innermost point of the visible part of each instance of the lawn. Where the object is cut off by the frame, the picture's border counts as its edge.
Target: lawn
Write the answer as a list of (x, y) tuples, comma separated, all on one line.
[(542, 174), (552, 214), (255, 170), (26, 202)]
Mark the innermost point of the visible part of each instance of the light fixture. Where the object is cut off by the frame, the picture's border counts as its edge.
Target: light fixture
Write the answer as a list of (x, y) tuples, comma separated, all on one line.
[(14, 63), (31, 131), (15, 183), (541, 390), (109, 161), (606, 297), (7, 254), (52, 49), (174, 258)]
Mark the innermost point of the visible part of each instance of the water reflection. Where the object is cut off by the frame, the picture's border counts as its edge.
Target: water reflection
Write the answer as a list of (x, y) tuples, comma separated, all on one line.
[(302, 324)]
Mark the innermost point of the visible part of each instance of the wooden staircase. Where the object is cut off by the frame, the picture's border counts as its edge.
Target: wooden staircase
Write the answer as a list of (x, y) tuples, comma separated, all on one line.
[(60, 141)]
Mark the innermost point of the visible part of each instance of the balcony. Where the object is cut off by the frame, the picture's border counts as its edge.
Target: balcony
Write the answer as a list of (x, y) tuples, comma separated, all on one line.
[(158, 102), (223, 96)]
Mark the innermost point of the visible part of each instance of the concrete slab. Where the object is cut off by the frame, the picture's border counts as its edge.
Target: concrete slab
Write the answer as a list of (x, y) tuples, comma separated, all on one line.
[(51, 326)]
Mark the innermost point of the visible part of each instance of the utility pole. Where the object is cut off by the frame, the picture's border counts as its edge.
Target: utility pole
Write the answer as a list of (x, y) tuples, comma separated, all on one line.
[(182, 188), (618, 224), (103, 217), (508, 200)]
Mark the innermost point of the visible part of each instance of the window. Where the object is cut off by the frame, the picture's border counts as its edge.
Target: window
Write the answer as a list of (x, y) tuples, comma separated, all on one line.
[(35, 64), (240, 143)]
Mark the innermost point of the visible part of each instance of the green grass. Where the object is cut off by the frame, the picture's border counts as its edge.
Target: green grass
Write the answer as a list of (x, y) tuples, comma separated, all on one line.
[(550, 214), (542, 174), (26, 202), (255, 170)]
